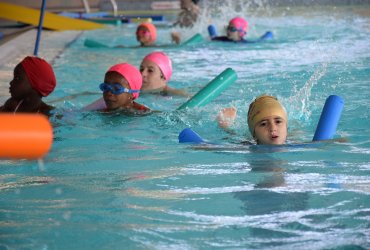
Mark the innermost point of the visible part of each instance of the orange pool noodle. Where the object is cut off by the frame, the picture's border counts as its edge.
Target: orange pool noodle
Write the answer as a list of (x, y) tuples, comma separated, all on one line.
[(25, 136)]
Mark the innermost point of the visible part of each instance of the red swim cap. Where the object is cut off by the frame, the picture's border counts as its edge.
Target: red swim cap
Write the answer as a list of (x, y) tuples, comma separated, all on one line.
[(131, 74), (40, 74), (152, 30)]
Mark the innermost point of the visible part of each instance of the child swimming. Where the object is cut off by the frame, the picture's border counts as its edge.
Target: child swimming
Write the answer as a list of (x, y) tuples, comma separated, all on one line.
[(121, 86), (146, 34), (235, 31), (189, 13), (156, 70), (33, 79), (267, 120)]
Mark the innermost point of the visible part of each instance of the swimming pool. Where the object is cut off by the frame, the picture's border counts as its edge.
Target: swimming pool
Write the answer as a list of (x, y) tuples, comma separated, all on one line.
[(125, 182)]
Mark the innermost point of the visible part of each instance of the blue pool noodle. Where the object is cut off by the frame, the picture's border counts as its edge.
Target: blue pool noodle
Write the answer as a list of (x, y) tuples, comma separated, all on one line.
[(188, 135), (330, 115), (212, 31), (267, 36)]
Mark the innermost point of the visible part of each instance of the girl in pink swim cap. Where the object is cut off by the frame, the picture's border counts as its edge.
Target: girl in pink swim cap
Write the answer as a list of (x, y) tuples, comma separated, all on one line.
[(121, 86), (236, 31), (156, 70)]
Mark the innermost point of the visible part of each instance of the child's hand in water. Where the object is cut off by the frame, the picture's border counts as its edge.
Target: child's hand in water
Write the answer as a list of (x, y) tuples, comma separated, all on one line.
[(176, 37), (226, 117)]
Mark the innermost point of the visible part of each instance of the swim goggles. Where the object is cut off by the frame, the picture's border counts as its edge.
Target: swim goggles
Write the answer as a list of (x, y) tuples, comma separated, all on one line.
[(233, 29), (116, 88), (143, 32)]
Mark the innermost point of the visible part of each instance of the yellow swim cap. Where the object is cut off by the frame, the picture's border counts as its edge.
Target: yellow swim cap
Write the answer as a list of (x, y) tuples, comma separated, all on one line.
[(264, 106)]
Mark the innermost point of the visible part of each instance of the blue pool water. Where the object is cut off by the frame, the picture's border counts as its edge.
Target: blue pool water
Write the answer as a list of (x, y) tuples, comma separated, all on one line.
[(117, 182)]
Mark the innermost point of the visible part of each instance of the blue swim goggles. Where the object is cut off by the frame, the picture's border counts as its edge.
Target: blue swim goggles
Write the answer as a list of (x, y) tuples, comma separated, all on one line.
[(116, 88), (233, 29)]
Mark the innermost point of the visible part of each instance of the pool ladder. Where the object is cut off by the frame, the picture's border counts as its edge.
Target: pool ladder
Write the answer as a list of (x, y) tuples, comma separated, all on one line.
[(113, 2)]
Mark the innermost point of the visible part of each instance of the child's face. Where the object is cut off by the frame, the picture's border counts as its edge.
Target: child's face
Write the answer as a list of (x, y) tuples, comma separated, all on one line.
[(20, 87), (271, 130), (233, 33), (143, 36), (152, 76), (116, 101)]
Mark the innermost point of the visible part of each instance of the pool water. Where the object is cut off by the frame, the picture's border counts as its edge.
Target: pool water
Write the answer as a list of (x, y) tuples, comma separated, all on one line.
[(113, 181)]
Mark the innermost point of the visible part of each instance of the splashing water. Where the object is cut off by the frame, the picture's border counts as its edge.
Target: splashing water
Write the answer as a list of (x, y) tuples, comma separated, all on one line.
[(302, 98), (112, 181)]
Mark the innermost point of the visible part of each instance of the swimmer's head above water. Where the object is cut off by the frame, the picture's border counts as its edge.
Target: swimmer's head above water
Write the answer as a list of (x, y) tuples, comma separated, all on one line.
[(268, 121), (156, 69), (237, 28), (146, 34)]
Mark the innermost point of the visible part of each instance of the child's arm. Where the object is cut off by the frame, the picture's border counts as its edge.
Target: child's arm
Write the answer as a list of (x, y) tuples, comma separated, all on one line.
[(339, 140), (176, 37)]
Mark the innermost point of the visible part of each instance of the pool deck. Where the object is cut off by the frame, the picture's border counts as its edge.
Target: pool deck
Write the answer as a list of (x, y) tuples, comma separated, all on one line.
[(12, 52)]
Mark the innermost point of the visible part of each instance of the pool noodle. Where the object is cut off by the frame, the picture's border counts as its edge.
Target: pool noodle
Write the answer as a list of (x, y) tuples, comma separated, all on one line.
[(268, 35), (329, 118), (211, 90), (188, 135), (194, 39), (212, 31), (94, 44), (25, 136)]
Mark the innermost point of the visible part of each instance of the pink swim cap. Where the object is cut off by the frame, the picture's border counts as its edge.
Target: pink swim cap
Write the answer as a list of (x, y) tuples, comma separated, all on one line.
[(163, 61), (241, 24), (131, 74)]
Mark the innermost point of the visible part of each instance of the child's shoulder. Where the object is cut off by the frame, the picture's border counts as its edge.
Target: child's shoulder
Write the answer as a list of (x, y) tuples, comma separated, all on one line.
[(140, 107), (9, 105), (45, 108), (221, 38)]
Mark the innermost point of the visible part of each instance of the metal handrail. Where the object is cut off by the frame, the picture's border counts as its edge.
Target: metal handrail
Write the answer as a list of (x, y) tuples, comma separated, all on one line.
[(86, 5), (115, 8), (113, 2), (39, 30)]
